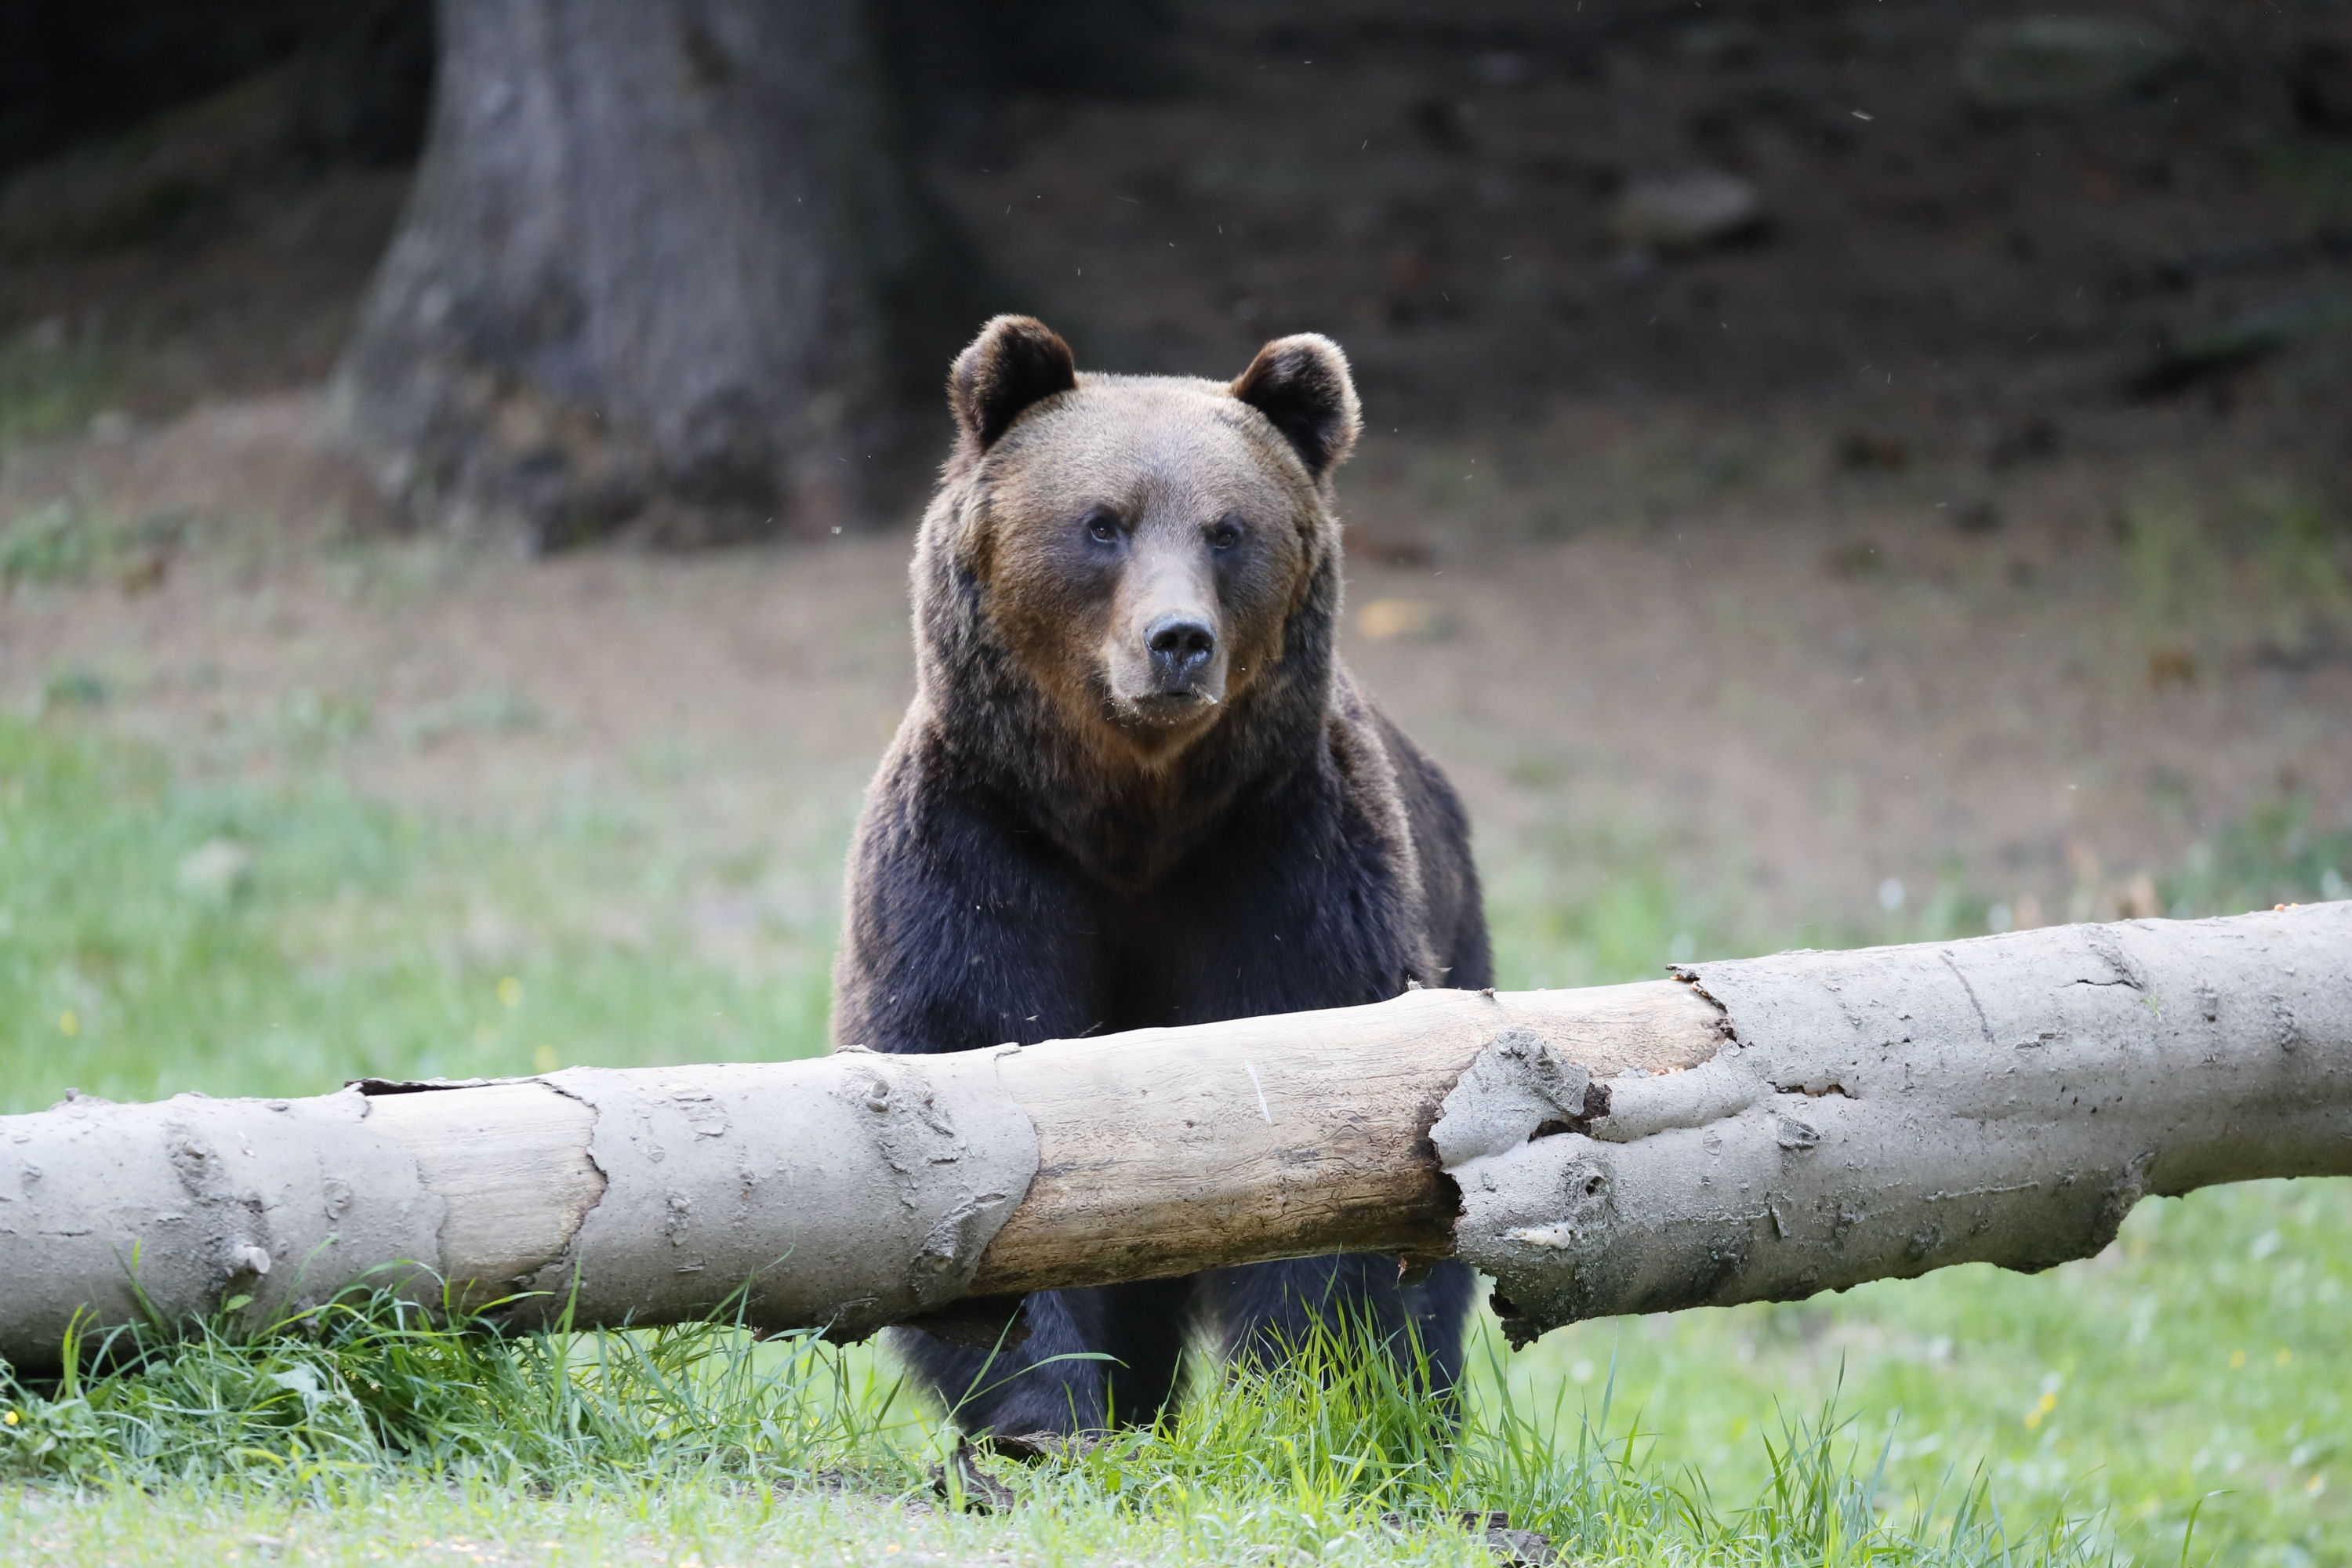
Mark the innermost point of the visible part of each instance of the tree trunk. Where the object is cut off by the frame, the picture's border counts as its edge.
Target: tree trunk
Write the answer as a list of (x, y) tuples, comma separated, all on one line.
[(665, 268), (1755, 1129)]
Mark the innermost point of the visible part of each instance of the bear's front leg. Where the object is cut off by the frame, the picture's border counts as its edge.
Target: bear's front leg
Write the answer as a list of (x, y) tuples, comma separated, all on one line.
[(1265, 1314), (966, 928), (1094, 1359)]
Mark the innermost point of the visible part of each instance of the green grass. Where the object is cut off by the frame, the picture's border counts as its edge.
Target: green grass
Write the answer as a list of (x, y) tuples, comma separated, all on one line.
[(278, 937), (158, 935), (361, 1404), (1574, 905), (2208, 1357), (52, 380)]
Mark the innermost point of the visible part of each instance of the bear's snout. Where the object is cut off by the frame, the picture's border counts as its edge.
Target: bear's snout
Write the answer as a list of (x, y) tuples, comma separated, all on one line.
[(1173, 668), (1180, 647), (1168, 652)]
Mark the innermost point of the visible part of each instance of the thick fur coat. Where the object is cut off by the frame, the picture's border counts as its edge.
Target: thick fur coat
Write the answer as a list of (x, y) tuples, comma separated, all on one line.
[(1136, 787)]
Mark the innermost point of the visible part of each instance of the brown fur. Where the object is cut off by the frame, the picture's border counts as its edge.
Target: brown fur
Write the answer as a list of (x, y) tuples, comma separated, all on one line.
[(1135, 787)]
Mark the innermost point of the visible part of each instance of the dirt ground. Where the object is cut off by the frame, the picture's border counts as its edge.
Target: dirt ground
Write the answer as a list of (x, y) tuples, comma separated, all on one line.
[(1833, 555), (1799, 701), (1442, 188)]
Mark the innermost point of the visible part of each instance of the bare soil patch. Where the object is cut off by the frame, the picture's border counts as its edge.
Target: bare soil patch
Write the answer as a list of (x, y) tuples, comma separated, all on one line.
[(1798, 699)]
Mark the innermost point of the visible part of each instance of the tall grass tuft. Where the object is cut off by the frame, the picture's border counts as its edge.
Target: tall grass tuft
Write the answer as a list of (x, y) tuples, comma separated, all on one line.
[(371, 1383), (1338, 1451)]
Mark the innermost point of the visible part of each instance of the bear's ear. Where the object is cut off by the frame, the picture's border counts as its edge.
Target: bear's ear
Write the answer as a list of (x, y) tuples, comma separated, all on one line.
[(1302, 384), (1014, 362)]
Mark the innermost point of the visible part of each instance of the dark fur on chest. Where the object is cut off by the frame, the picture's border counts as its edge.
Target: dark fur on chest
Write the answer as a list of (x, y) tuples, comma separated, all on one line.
[(1008, 887)]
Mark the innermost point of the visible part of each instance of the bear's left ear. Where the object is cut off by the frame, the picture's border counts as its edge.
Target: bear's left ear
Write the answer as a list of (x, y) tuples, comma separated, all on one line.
[(1302, 384), (1016, 361)]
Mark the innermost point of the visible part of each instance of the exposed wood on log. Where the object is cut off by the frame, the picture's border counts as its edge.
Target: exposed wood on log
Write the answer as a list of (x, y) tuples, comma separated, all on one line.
[(1167, 1151), (509, 1163)]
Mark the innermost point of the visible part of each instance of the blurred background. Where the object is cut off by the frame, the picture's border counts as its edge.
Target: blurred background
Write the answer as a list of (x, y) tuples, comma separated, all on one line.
[(1839, 471)]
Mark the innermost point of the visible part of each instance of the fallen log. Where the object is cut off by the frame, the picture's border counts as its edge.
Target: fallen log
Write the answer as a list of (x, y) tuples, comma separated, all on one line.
[(1752, 1130)]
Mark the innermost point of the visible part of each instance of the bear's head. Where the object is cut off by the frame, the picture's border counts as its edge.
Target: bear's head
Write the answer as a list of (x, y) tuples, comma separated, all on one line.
[(1142, 549)]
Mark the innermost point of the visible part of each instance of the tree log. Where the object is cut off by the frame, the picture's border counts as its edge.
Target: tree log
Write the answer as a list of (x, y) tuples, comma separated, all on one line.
[(1752, 1129)]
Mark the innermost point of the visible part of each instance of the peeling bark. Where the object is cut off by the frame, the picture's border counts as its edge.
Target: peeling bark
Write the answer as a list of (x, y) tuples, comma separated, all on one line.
[(1756, 1129), (1880, 1113)]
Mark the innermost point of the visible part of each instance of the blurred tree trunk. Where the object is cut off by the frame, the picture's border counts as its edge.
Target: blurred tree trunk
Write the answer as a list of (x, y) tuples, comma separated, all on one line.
[(666, 269)]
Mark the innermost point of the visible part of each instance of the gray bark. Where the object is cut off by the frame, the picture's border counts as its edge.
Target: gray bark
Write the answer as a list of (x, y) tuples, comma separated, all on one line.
[(666, 267), (849, 1192), (1880, 1113), (1756, 1129)]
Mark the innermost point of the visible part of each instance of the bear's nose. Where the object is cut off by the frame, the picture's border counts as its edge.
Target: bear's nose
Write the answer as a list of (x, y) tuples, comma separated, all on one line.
[(1180, 647)]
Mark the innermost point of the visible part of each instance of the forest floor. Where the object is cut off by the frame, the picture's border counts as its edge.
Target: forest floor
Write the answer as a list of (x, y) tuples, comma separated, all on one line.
[(1787, 569), (1784, 702), (1732, 643), (283, 803)]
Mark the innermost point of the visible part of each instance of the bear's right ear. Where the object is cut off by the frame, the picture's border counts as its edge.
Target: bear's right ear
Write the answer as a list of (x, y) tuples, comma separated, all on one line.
[(1014, 362)]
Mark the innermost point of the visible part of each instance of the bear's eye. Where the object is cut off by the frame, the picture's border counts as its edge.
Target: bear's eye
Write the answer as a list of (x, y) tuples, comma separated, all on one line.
[(1102, 528), (1225, 533)]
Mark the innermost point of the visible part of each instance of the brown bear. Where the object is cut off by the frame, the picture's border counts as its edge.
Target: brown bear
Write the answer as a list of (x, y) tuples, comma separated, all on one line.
[(1137, 788)]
